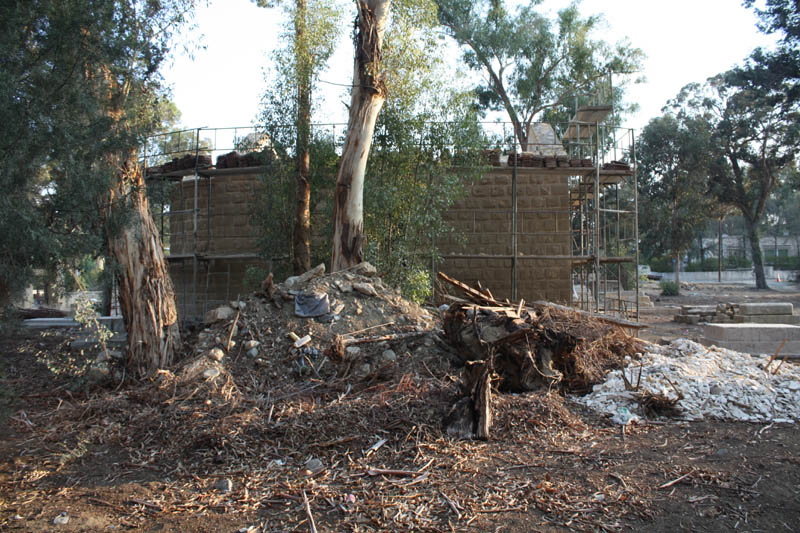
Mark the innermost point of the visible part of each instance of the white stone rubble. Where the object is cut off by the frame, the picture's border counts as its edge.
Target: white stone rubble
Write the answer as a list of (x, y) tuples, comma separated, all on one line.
[(716, 383)]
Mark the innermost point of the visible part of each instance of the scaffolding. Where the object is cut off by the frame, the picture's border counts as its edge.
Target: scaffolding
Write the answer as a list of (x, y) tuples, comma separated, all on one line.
[(599, 167), (596, 228), (185, 223)]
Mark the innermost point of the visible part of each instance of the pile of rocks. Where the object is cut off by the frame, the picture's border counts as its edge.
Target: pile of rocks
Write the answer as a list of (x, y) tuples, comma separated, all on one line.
[(287, 329), (715, 383)]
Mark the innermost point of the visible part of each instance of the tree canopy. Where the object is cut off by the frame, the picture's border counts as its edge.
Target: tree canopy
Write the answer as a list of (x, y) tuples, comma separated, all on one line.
[(532, 63), (673, 162), (64, 63)]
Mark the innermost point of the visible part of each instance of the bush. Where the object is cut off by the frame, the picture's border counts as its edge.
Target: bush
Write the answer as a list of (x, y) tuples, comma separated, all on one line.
[(709, 264), (661, 264), (669, 288), (784, 263), (736, 262)]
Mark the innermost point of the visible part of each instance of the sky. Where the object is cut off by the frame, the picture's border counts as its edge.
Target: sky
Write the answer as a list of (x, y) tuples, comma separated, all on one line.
[(220, 83)]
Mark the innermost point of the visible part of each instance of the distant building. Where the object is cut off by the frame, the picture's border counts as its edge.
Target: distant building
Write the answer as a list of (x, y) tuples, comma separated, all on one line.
[(738, 246)]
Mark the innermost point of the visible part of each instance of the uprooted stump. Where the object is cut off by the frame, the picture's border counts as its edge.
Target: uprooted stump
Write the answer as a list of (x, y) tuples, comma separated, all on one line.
[(523, 349)]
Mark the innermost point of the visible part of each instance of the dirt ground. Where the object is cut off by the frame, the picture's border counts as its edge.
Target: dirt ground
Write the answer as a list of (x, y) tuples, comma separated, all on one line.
[(156, 457)]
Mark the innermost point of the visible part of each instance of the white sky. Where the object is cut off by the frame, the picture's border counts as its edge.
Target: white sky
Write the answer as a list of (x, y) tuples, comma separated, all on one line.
[(684, 40)]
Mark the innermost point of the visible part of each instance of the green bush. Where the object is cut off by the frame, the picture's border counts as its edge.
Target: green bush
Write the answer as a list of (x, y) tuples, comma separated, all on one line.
[(661, 264), (730, 263), (708, 264), (784, 263), (669, 288)]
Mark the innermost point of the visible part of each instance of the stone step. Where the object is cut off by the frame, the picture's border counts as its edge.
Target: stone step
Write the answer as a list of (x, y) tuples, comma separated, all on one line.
[(790, 349), (768, 319), (752, 332), (772, 308), (698, 309)]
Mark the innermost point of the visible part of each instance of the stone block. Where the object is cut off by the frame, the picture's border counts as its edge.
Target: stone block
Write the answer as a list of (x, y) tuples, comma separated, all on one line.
[(751, 332), (776, 308), (768, 319)]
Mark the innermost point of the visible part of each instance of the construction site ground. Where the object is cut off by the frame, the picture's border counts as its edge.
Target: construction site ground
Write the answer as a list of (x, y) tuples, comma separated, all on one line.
[(659, 318), (266, 444)]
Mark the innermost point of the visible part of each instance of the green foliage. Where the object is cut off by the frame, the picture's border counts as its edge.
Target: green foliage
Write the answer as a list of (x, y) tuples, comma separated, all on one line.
[(274, 212), (253, 277), (669, 288), (673, 162), (534, 64), (78, 83), (660, 264), (737, 262), (785, 263)]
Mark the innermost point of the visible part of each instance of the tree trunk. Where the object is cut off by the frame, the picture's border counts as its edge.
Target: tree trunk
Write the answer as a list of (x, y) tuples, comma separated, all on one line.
[(677, 269), (755, 251), (719, 251), (301, 261), (146, 296), (366, 100)]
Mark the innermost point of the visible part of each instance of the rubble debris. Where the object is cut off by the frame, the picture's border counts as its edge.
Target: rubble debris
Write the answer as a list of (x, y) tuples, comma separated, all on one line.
[(715, 383), (219, 314), (216, 354), (522, 349), (293, 281), (365, 288)]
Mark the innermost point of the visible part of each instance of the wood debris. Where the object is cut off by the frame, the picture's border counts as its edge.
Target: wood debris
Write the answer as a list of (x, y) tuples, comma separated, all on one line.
[(520, 349)]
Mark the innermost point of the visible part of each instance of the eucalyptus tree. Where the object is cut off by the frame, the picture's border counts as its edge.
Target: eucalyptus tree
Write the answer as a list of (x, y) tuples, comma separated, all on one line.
[(673, 163), (367, 95), (313, 29), (755, 136), (80, 90), (531, 63)]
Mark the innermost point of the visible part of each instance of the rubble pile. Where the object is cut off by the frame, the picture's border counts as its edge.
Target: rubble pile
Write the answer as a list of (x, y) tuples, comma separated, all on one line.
[(346, 325), (712, 383)]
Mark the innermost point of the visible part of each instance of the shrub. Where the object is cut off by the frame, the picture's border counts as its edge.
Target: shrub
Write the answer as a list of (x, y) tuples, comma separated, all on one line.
[(669, 288), (785, 263), (736, 262), (660, 264)]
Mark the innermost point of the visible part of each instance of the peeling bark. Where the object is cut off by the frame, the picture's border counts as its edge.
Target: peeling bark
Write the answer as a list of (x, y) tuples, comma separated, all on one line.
[(301, 260), (366, 100), (146, 295)]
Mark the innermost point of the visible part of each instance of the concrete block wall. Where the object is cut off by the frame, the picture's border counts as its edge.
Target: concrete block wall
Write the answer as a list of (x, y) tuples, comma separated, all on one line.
[(219, 281), (229, 229), (484, 220)]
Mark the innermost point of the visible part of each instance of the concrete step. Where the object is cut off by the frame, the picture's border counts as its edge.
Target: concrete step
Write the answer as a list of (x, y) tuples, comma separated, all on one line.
[(790, 349), (752, 332), (773, 308), (768, 319)]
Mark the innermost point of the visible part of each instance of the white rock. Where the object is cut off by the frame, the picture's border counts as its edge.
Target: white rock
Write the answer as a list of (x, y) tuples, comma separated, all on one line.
[(220, 313), (62, 519), (365, 288), (716, 383), (216, 354), (211, 373), (304, 278), (364, 269), (249, 345)]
